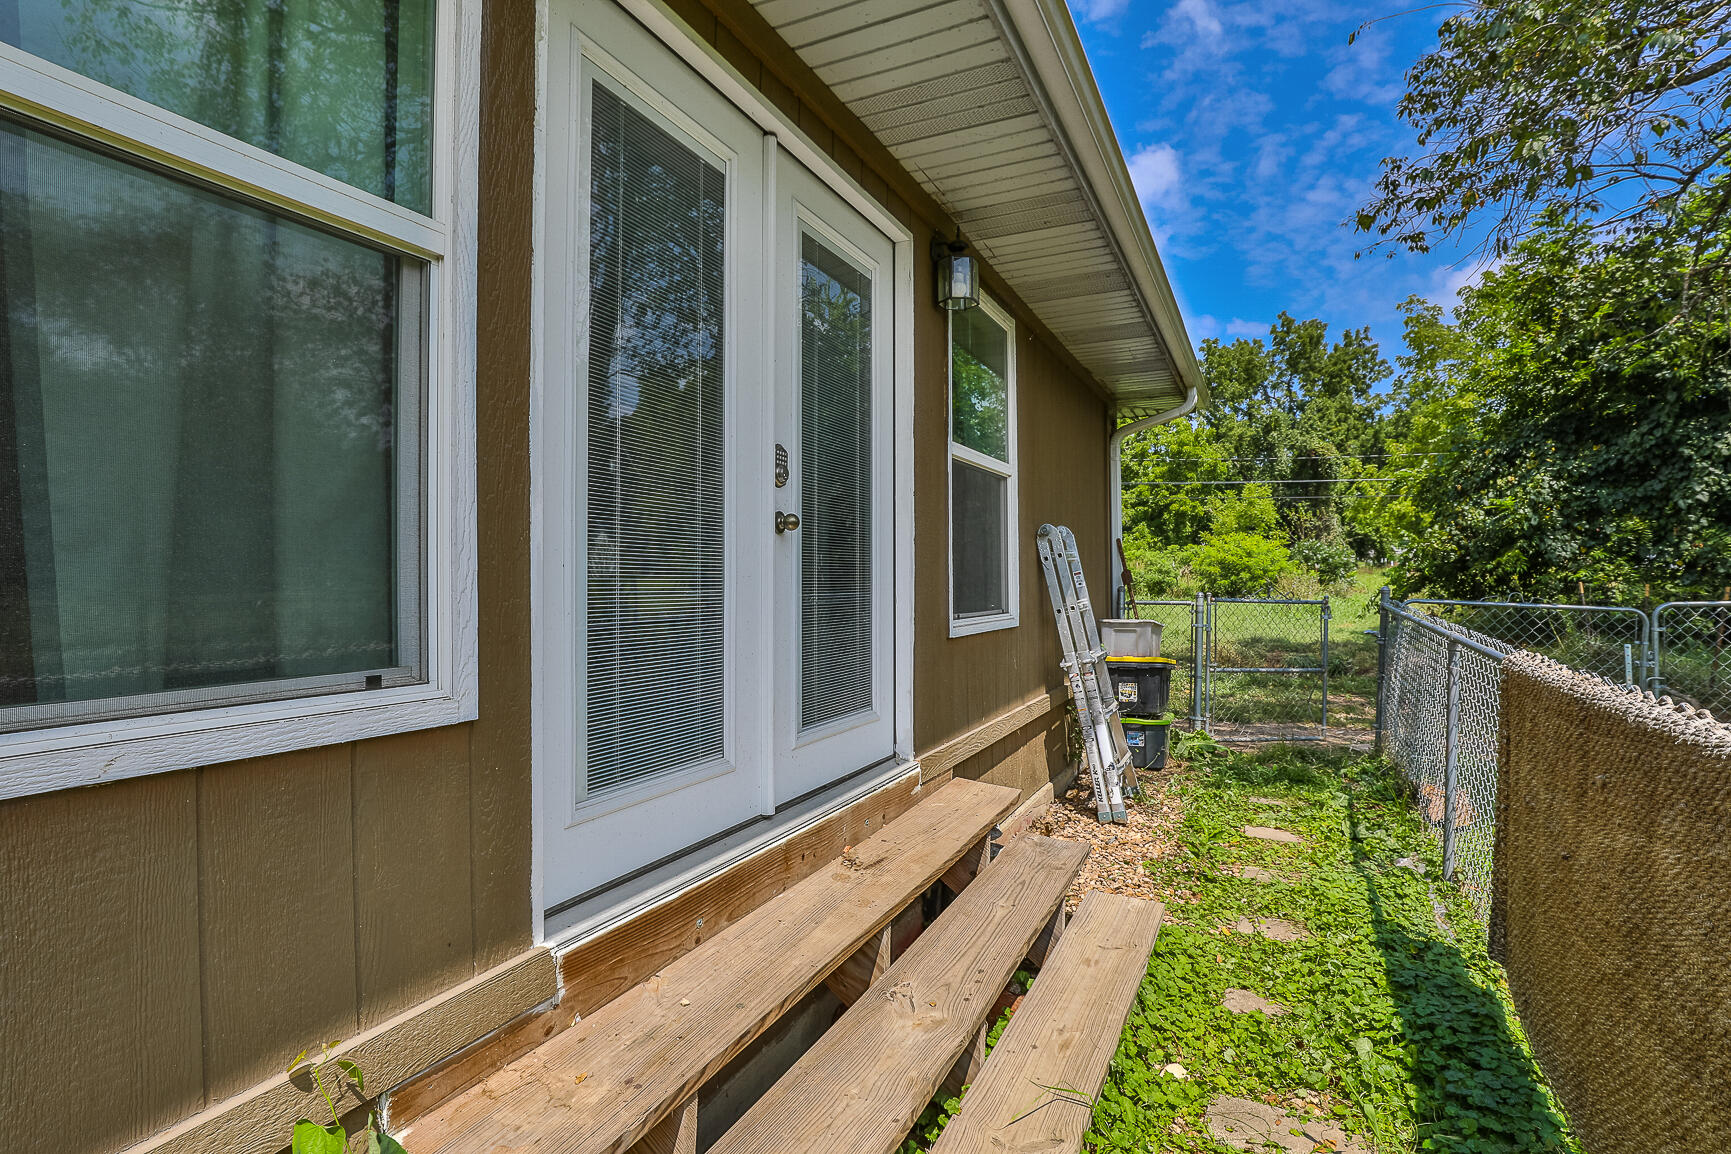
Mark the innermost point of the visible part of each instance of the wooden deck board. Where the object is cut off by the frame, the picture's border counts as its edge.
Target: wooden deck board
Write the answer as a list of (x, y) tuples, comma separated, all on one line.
[(1064, 1035), (607, 1081), (860, 1088)]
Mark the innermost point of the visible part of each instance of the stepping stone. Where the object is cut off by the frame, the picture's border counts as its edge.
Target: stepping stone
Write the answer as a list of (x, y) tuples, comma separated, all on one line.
[(1411, 863), (1267, 834), (1276, 929), (1245, 1002), (1258, 874), (1269, 801), (1177, 1071), (1245, 1124)]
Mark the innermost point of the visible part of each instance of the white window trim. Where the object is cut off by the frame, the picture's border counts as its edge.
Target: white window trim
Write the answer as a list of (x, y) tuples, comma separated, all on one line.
[(1012, 617), (88, 753)]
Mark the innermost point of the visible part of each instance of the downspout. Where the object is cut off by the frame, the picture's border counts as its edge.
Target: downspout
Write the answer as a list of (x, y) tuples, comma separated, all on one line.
[(1115, 486)]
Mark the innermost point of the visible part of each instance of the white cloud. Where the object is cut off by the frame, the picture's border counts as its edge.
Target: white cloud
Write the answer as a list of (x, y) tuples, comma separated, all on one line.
[(1154, 170), (1249, 330), (1202, 17)]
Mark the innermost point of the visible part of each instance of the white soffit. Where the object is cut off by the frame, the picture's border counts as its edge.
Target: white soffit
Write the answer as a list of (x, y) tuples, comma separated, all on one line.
[(990, 105)]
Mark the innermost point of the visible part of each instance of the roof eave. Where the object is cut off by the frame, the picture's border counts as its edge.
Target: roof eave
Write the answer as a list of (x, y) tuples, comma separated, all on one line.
[(1053, 53)]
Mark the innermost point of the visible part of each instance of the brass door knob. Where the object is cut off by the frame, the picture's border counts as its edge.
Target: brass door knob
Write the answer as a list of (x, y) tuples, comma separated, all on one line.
[(786, 522)]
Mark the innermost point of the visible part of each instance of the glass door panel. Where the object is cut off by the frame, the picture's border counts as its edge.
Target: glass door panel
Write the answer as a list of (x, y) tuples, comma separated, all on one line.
[(833, 572)]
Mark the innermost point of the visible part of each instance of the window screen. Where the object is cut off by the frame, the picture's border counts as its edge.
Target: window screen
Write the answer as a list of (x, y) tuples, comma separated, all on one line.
[(982, 470), (341, 86)]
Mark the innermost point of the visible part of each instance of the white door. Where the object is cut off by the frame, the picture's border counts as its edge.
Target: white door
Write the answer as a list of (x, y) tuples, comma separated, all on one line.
[(655, 458), (833, 322)]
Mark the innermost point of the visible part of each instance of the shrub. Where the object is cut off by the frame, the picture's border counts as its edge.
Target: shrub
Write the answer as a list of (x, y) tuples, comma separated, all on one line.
[(1158, 569), (1239, 564), (1251, 511), (1332, 561)]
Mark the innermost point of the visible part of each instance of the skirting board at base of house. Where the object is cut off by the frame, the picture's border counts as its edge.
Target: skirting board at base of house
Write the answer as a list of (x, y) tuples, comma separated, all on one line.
[(258, 1120)]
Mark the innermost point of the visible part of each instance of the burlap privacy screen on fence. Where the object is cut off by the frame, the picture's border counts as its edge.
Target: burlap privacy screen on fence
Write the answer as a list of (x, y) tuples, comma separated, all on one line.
[(1611, 905)]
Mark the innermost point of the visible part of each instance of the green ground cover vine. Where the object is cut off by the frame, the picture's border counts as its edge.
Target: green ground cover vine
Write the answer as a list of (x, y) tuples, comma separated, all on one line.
[(1398, 1029)]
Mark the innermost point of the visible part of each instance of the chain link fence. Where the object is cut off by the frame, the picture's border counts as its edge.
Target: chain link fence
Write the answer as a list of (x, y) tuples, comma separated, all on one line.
[(1608, 640), (1180, 623), (1692, 654), (1438, 708), (1266, 669)]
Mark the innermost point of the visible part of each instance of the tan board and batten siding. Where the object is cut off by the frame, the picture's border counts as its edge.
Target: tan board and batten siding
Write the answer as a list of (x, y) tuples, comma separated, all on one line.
[(167, 943)]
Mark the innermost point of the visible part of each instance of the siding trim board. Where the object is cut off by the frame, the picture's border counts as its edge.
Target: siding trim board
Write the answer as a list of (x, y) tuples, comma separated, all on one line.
[(257, 1120)]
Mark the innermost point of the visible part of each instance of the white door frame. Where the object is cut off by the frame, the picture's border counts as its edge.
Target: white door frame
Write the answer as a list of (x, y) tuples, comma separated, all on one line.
[(673, 32)]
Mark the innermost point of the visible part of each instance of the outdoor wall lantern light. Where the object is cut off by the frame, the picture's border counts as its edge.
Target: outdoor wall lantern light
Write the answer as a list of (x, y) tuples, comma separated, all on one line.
[(958, 274)]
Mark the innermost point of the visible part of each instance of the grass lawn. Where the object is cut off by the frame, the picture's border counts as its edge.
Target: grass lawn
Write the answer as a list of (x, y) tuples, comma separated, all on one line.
[(1396, 1028)]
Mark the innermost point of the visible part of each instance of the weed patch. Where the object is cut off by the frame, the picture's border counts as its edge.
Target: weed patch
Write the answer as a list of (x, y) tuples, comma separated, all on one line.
[(1398, 1027)]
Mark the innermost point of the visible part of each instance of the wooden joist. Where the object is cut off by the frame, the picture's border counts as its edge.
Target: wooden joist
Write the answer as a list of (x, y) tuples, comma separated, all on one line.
[(1064, 1036), (860, 1088), (609, 1080)]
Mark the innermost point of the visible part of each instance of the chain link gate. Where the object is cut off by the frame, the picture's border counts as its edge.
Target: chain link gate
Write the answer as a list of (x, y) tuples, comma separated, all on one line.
[(1265, 669), (1692, 654)]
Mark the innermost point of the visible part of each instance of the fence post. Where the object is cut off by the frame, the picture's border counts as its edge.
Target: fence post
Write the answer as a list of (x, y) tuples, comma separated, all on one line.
[(1654, 631), (1198, 632), (1451, 757), (1325, 665), (1382, 626)]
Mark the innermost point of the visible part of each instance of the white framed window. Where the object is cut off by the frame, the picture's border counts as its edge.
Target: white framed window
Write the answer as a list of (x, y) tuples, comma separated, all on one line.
[(237, 284), (983, 583)]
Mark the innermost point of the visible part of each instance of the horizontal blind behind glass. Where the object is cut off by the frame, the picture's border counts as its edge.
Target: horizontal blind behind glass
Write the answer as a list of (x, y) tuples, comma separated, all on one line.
[(655, 520), (836, 484)]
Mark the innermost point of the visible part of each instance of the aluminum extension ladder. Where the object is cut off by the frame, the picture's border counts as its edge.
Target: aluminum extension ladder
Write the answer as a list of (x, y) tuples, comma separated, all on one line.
[(1108, 754)]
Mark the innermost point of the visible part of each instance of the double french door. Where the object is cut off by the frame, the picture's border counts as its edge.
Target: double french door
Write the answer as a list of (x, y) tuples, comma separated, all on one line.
[(715, 466)]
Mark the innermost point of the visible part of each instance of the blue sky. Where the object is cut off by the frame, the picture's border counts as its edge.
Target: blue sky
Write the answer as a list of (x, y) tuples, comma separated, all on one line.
[(1253, 130)]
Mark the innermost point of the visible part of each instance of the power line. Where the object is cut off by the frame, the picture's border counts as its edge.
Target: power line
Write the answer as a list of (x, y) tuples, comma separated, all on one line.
[(1316, 457), (1288, 481)]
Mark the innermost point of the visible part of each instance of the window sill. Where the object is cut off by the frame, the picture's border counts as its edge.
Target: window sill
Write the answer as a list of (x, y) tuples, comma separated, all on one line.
[(967, 626), (44, 760)]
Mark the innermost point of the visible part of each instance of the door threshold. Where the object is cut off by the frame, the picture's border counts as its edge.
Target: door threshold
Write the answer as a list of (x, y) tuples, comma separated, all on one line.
[(571, 922)]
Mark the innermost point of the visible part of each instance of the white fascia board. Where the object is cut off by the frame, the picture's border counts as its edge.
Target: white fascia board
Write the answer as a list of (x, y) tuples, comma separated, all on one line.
[(1058, 68)]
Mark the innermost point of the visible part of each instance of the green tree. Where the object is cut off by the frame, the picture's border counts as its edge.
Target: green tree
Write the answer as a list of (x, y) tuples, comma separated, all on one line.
[(1618, 114), (1584, 415)]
